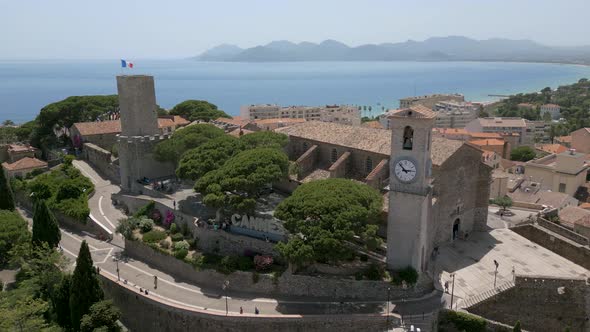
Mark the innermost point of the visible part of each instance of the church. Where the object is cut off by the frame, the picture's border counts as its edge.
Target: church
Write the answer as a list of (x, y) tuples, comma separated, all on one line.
[(437, 189)]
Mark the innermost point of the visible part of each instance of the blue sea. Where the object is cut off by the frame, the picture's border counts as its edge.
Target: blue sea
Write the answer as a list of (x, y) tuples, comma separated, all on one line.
[(26, 86)]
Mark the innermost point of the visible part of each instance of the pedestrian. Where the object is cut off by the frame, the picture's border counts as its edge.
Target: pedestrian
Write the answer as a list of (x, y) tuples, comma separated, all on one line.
[(146, 292), (140, 290), (241, 310), (447, 286), (174, 203), (256, 311)]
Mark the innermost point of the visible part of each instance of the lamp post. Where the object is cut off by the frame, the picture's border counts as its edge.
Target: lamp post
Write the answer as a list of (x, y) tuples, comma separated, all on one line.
[(495, 272), (225, 286), (452, 290), (117, 262), (387, 319)]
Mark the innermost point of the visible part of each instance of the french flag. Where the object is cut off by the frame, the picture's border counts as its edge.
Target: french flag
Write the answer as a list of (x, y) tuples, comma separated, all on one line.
[(125, 64)]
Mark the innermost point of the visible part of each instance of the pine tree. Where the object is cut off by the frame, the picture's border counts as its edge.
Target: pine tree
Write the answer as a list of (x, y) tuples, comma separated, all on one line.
[(6, 197), (61, 302), (45, 228), (85, 289)]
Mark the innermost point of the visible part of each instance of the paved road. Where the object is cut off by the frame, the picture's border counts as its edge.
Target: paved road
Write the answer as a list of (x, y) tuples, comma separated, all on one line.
[(109, 255)]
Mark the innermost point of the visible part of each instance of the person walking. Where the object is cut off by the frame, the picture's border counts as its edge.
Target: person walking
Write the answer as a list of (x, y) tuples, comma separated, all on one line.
[(256, 311), (447, 286), (241, 310)]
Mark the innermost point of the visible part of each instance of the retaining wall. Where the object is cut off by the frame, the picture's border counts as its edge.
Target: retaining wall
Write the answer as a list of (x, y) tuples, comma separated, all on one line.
[(573, 251), (286, 285), (563, 231), (101, 159)]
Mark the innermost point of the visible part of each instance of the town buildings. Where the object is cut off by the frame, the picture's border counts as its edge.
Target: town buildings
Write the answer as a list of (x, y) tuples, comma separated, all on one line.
[(23, 166), (564, 172), (528, 132), (552, 109), (429, 101), (580, 140), (343, 114), (451, 114)]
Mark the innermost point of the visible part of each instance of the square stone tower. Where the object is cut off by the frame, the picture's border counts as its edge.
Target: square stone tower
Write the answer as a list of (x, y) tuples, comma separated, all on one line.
[(139, 133), (410, 195)]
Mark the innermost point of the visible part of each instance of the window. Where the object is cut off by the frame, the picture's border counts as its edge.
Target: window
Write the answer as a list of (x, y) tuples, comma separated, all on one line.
[(369, 165), (334, 155), (408, 138), (562, 187)]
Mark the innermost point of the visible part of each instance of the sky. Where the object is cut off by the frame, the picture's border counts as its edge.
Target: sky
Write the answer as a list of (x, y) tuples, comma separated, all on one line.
[(105, 29)]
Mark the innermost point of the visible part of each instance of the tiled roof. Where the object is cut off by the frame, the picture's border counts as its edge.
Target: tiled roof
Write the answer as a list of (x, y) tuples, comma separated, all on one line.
[(502, 122), (364, 138), (417, 111), (552, 148), (236, 121), (585, 206), (451, 131), (549, 198), (564, 139), (487, 142), (373, 124), (20, 148), (114, 126), (24, 163), (236, 132), (279, 120), (478, 135), (550, 105), (572, 215)]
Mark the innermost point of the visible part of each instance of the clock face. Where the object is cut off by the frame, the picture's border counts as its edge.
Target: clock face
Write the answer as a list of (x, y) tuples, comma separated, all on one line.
[(405, 170)]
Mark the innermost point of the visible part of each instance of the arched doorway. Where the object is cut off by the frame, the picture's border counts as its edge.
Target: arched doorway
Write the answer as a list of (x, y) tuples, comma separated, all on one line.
[(456, 226)]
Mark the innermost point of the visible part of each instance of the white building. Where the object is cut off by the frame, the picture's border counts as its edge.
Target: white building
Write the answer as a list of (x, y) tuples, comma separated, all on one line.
[(552, 109), (525, 129), (429, 100), (453, 114), (343, 114)]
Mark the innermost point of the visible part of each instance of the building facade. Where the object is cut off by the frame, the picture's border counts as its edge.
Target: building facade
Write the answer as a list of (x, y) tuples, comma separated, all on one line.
[(343, 114), (429, 101), (519, 127), (580, 140), (552, 109), (564, 172)]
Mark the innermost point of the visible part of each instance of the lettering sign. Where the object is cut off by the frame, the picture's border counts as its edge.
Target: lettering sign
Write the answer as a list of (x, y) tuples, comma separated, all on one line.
[(264, 225)]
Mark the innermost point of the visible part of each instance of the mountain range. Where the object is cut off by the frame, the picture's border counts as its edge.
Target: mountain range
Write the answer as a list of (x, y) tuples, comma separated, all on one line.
[(452, 48)]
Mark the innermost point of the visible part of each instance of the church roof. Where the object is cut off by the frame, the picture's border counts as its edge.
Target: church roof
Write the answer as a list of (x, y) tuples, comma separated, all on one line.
[(364, 138)]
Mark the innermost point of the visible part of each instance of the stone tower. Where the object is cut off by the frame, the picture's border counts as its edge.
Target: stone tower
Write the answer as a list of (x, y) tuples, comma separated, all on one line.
[(139, 132), (410, 196)]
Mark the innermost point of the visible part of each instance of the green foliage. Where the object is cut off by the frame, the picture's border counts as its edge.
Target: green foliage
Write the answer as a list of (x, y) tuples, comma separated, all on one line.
[(194, 110), (68, 160), (245, 263), (173, 229), (504, 202), (181, 245), (68, 189), (103, 315), (263, 139), (517, 327), (185, 139), (296, 251), (154, 236), (374, 272), (16, 134), (146, 225), (228, 264), (126, 227), (13, 230), (85, 289), (255, 277), (6, 196), (145, 210), (45, 227), (329, 212), (209, 156), (408, 274), (238, 181), (176, 236), (522, 153), (181, 254), (462, 321), (60, 301)]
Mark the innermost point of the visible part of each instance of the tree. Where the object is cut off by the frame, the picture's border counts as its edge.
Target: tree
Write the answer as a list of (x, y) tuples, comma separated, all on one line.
[(60, 302), (522, 153), (327, 213), (547, 117), (85, 289), (263, 139), (296, 252), (6, 197), (13, 230), (504, 202), (103, 315), (8, 123), (194, 110), (238, 181), (517, 327), (210, 156), (185, 139), (45, 228)]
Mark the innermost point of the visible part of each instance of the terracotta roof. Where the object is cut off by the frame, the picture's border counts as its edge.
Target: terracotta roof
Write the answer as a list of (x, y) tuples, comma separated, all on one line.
[(501, 122), (451, 131), (550, 105), (552, 148), (236, 132), (486, 142), (564, 139), (487, 154), (364, 138), (279, 120), (114, 126), (21, 148), (417, 111), (585, 206), (236, 121), (373, 124), (484, 135), (24, 163), (180, 121), (572, 215)]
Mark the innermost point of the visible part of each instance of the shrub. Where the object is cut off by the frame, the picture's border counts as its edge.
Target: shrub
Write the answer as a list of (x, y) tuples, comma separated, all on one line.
[(76, 208), (156, 216), (68, 160), (245, 263), (173, 228), (228, 264), (262, 263), (126, 227), (192, 243), (145, 210), (169, 218), (68, 189), (165, 244), (181, 254), (374, 272), (145, 225), (176, 237), (184, 229), (181, 245), (154, 236), (463, 321)]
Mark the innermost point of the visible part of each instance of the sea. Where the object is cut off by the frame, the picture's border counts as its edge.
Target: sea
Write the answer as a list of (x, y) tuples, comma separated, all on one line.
[(27, 86)]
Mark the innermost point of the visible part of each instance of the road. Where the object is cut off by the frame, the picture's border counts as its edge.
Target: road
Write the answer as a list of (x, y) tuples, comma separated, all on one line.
[(108, 256)]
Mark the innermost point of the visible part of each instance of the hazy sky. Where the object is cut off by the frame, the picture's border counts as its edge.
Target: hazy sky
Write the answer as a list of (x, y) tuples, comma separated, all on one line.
[(181, 28)]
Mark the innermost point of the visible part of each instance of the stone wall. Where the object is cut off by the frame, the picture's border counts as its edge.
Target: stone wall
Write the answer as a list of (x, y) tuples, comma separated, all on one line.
[(540, 304), (378, 175), (307, 161), (580, 239), (285, 285), (101, 159), (149, 313), (573, 251), (339, 168)]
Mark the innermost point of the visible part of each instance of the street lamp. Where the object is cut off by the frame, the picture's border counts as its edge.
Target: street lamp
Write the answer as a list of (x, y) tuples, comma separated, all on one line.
[(387, 319), (495, 272), (225, 286), (118, 277), (452, 290)]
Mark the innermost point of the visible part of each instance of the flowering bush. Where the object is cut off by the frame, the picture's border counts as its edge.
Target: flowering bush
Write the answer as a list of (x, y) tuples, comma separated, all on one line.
[(262, 263), (169, 218), (156, 216)]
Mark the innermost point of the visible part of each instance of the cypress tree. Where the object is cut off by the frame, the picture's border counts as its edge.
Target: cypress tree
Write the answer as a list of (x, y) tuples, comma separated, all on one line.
[(61, 302), (6, 197), (85, 289), (45, 228)]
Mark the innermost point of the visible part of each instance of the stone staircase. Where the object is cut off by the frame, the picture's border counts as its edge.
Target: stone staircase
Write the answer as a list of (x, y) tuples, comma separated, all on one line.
[(424, 322), (471, 301)]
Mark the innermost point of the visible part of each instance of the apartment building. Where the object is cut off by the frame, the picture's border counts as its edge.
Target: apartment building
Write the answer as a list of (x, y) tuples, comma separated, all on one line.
[(430, 100), (552, 109), (343, 114), (564, 172), (523, 131)]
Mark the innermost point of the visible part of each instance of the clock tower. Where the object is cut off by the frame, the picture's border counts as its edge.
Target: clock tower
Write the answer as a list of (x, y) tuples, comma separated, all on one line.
[(410, 195)]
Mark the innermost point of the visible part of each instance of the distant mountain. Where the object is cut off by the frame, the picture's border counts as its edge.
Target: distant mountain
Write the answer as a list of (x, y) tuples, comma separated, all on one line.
[(452, 48)]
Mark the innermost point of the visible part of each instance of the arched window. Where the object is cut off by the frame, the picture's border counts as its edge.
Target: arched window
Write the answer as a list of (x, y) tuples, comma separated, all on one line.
[(305, 146), (369, 165), (408, 138), (334, 155)]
